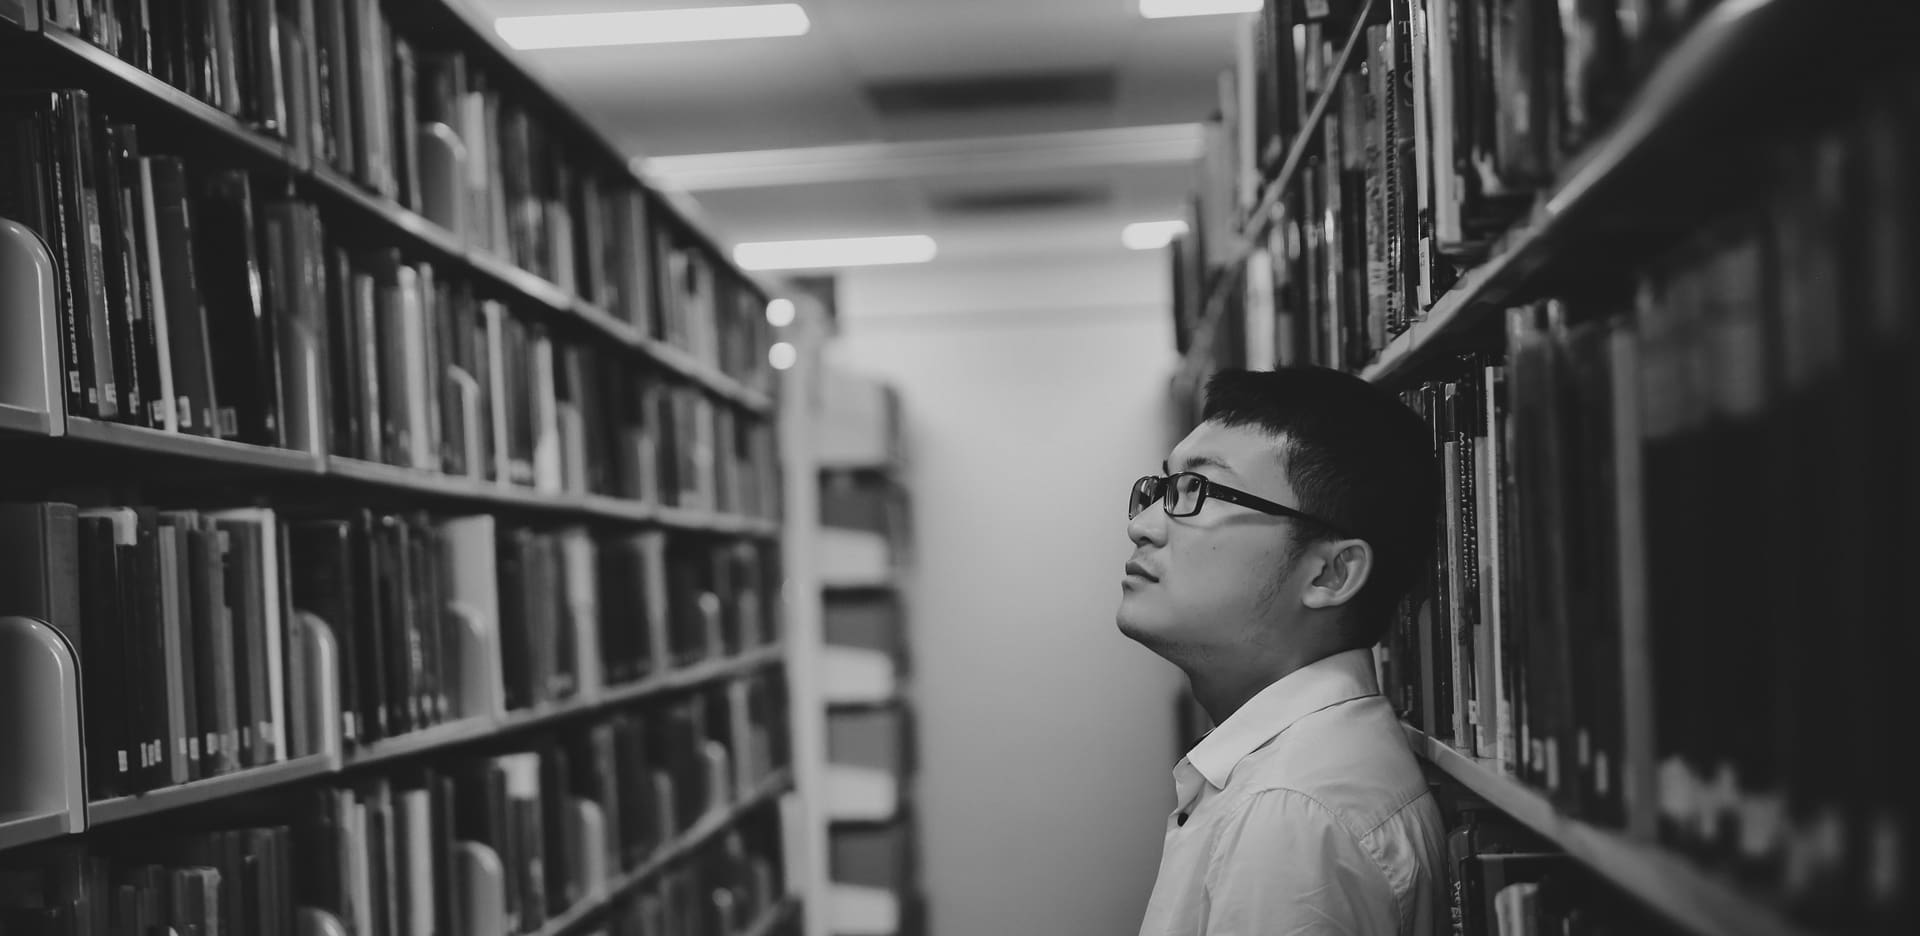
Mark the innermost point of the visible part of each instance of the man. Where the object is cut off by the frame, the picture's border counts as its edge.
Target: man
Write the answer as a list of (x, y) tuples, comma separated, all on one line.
[(1267, 563)]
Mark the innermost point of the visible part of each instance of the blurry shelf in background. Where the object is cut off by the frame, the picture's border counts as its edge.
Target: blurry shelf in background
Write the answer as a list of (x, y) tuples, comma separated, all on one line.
[(863, 911), (211, 789), (682, 846), (424, 741), (197, 448), (861, 794), (1678, 889), (16, 831), (857, 676)]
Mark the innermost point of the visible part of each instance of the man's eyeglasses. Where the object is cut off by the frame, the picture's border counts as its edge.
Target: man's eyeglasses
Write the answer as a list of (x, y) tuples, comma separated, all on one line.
[(1183, 493)]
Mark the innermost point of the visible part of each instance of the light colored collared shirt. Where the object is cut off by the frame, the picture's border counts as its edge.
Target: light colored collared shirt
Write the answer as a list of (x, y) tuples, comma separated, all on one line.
[(1303, 814)]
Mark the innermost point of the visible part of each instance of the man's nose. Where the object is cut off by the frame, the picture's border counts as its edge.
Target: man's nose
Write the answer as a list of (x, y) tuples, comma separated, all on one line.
[(1148, 526)]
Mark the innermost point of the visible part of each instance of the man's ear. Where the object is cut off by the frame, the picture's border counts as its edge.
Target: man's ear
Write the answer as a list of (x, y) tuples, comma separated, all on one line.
[(1344, 567)]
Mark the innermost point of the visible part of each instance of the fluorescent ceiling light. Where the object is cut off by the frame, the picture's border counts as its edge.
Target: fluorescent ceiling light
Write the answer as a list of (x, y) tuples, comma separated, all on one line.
[(1151, 235), (780, 313), (638, 27), (1162, 9), (834, 252)]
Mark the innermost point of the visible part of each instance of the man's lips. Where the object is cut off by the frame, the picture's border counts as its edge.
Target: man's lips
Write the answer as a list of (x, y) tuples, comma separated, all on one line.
[(1135, 568)]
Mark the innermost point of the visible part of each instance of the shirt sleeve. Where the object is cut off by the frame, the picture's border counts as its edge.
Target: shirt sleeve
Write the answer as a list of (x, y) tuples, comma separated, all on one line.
[(1284, 866)]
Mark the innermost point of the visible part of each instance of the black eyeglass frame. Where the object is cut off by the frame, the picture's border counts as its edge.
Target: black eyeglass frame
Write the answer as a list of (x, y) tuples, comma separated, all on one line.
[(1164, 485)]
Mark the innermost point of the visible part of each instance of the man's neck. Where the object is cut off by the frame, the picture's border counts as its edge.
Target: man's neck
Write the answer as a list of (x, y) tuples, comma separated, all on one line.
[(1222, 691)]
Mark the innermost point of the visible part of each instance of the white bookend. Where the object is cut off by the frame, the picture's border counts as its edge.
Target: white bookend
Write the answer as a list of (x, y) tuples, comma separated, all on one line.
[(590, 860), (480, 883), (40, 727), (317, 683), (29, 332), (313, 921)]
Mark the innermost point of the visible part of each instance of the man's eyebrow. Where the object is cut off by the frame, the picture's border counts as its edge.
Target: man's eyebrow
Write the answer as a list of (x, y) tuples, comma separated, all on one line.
[(1200, 461)]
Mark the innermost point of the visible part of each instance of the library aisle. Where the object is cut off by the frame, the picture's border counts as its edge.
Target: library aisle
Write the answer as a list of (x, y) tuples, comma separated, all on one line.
[(653, 467)]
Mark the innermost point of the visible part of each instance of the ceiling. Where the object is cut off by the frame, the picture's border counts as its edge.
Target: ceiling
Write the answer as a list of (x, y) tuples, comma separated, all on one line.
[(993, 125)]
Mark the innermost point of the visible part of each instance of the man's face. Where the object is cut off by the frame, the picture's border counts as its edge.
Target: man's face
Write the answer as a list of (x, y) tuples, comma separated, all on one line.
[(1200, 586)]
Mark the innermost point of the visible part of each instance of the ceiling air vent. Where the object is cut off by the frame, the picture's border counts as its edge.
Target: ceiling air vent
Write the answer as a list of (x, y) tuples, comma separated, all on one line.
[(1006, 200), (993, 92)]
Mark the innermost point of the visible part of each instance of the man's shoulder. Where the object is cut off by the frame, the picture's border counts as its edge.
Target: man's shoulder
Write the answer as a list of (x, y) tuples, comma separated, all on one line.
[(1351, 759)]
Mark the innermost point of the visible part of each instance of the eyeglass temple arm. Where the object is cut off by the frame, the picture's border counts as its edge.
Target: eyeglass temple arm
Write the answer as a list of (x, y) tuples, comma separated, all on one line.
[(1256, 502)]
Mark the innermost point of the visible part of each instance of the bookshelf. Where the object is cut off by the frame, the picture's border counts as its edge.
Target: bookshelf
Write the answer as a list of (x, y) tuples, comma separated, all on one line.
[(1578, 275), (865, 557), (464, 517)]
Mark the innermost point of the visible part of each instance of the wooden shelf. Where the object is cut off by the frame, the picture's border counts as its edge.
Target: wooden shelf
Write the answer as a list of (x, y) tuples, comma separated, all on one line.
[(1711, 64), (683, 845), (486, 728), (345, 192), (212, 789), (424, 741), (194, 447), (1678, 889), (123, 79), (18, 831), (20, 419)]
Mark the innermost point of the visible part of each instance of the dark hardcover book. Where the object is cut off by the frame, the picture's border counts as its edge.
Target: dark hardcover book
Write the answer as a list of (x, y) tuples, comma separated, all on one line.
[(123, 258), (240, 328), (44, 194), (374, 389), (246, 599), (103, 675), (188, 347), (343, 355), (145, 651), (406, 116)]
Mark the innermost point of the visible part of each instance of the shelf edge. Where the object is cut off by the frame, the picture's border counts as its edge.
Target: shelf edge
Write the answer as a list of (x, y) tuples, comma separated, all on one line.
[(1676, 888)]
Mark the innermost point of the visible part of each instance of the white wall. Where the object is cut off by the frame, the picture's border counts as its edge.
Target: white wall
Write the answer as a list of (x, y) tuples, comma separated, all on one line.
[(1034, 393)]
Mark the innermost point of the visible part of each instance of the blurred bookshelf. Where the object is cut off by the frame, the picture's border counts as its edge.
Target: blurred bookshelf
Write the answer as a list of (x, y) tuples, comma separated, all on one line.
[(390, 490)]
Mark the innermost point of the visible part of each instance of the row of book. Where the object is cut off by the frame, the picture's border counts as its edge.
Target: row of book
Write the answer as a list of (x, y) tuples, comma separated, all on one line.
[(1674, 525), (1502, 880), (191, 664), (1449, 117), (502, 843), (239, 880), (379, 97), (199, 300), (191, 626), (434, 378)]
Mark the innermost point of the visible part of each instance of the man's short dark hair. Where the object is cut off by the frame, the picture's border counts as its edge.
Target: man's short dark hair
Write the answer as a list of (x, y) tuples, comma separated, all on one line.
[(1355, 456)]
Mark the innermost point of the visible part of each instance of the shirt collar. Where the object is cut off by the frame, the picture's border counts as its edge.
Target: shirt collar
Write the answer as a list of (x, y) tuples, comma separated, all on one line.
[(1321, 684)]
